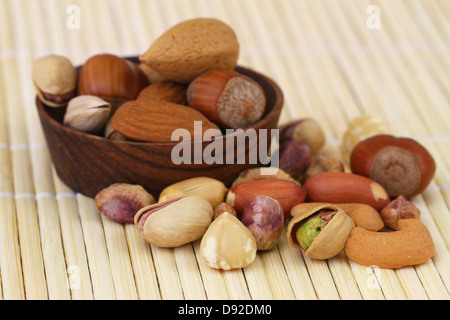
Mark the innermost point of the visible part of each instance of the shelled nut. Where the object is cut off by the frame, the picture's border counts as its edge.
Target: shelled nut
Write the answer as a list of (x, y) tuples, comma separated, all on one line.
[(228, 244)]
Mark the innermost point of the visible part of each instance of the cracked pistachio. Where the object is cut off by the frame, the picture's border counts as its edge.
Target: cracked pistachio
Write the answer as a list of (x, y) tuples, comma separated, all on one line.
[(87, 113), (321, 231), (55, 79)]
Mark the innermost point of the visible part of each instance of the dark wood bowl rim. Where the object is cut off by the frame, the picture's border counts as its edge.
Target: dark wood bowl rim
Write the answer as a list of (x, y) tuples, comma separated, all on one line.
[(278, 104)]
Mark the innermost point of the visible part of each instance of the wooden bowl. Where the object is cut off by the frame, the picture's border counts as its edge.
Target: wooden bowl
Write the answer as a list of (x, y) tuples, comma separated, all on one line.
[(88, 163)]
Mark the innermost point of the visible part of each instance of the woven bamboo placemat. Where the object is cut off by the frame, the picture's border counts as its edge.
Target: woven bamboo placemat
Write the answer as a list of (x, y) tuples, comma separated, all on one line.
[(333, 62)]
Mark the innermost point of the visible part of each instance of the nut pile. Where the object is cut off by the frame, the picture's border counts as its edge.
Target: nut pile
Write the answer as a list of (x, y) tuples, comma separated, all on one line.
[(329, 211), (325, 208), (187, 74)]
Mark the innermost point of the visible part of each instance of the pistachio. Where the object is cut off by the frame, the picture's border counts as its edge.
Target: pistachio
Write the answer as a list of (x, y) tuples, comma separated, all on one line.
[(174, 222), (264, 217), (211, 189), (55, 79), (121, 201), (321, 231), (111, 133), (228, 244), (87, 113), (295, 158)]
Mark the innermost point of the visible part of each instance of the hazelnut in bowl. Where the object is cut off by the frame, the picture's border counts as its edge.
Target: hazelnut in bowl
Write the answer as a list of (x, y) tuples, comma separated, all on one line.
[(88, 162)]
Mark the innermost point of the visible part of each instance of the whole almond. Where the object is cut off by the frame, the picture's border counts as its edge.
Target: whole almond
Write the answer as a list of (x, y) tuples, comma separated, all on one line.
[(192, 47), (167, 91), (156, 121)]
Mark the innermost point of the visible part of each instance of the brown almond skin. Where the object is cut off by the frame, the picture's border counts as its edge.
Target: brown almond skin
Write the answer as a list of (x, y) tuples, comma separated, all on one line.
[(191, 48), (410, 245), (401, 165), (156, 121), (167, 91), (343, 187)]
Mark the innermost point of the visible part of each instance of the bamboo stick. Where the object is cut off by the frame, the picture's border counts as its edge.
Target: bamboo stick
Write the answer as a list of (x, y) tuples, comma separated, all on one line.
[(143, 266), (213, 280), (121, 270), (74, 248), (96, 249)]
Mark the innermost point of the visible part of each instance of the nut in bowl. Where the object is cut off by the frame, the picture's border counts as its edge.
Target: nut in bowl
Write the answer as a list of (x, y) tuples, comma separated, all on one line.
[(88, 163)]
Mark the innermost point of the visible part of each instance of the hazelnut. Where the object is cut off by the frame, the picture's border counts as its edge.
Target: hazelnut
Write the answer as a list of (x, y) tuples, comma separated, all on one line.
[(121, 201), (305, 130), (228, 244), (55, 79), (401, 165), (361, 128), (227, 98), (397, 209), (111, 77)]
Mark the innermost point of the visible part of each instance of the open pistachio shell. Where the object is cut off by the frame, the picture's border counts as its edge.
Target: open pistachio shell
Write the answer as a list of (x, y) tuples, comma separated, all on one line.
[(331, 239)]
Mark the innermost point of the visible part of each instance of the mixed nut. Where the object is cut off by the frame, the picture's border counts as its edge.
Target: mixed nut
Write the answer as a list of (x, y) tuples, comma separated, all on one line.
[(325, 208)]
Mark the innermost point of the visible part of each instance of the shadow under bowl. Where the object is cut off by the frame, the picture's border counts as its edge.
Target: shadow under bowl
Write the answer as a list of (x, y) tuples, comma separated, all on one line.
[(88, 163)]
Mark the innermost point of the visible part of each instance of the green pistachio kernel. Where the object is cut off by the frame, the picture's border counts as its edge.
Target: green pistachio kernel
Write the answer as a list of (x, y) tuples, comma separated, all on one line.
[(309, 230)]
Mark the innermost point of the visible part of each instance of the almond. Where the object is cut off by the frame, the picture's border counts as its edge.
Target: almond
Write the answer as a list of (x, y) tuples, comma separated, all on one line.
[(167, 91), (156, 121), (192, 47), (287, 193)]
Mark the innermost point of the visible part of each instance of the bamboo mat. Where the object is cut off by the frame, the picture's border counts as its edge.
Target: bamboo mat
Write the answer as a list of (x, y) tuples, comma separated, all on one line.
[(331, 65)]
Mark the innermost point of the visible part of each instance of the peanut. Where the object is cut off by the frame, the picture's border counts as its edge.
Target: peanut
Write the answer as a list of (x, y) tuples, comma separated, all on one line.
[(343, 187)]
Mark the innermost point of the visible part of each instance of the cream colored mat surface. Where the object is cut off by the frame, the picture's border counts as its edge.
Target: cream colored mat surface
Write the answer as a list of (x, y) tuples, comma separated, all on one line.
[(332, 62)]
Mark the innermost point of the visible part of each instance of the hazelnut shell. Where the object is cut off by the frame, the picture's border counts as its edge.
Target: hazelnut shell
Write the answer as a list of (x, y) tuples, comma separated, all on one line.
[(401, 165)]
